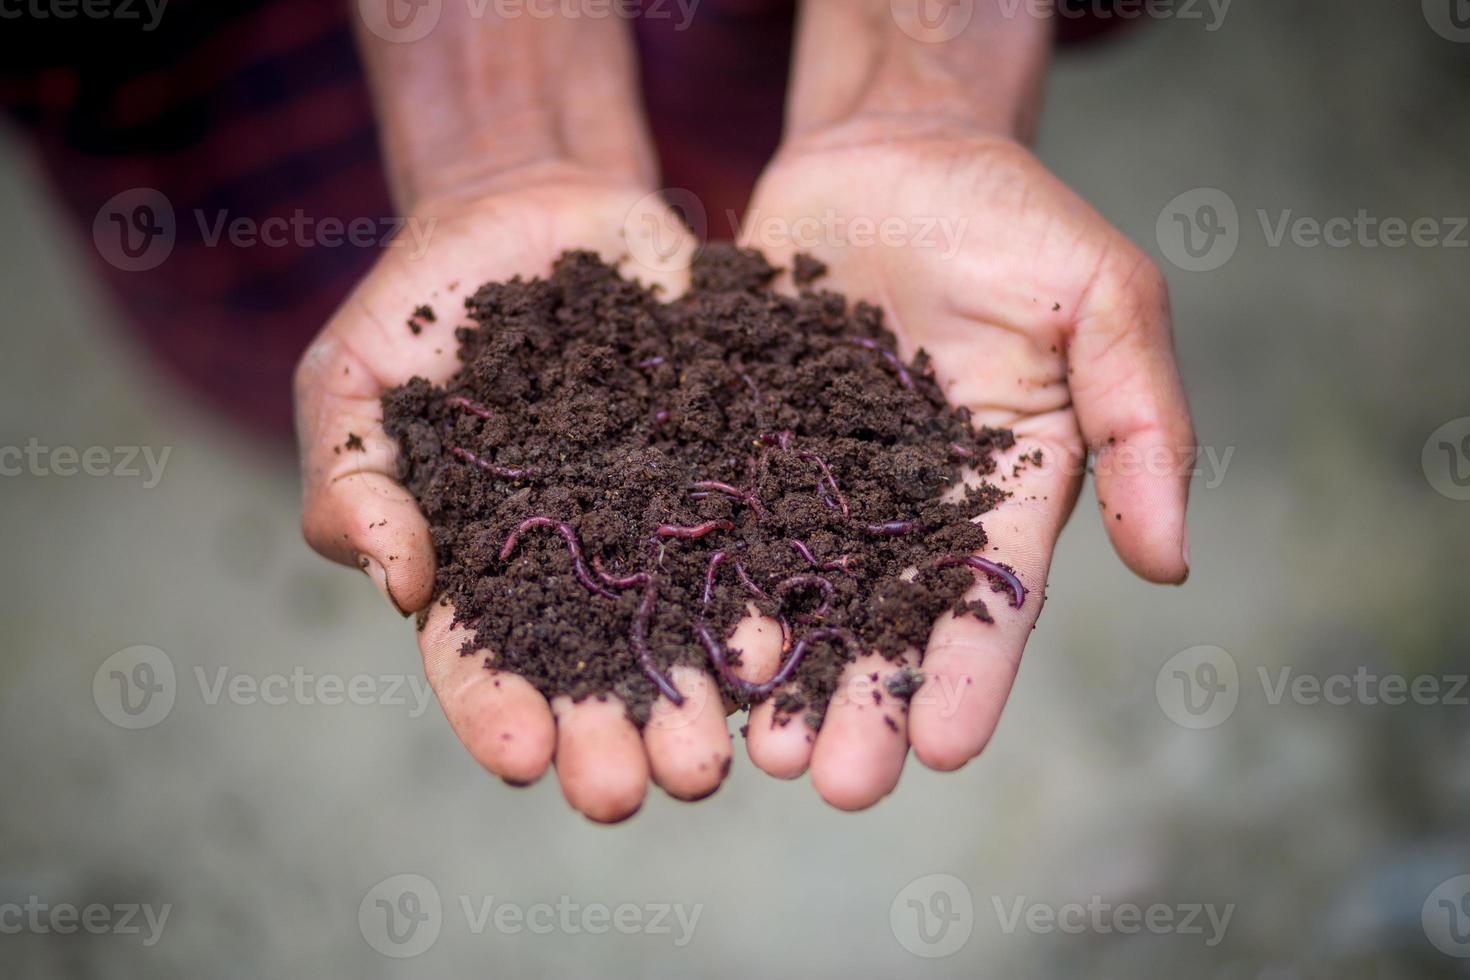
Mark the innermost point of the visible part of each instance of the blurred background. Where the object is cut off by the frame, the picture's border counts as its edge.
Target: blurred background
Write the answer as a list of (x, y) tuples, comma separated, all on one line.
[(1150, 756)]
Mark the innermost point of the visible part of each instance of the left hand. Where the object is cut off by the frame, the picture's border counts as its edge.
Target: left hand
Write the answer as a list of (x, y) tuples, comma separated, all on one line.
[(1040, 317)]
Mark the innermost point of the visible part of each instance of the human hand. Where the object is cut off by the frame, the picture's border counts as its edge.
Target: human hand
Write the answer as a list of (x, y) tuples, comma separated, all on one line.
[(508, 141), (357, 513), (1039, 317)]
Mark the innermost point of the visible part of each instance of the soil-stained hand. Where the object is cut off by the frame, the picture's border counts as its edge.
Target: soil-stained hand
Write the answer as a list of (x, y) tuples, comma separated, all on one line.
[(356, 513), (1040, 317)]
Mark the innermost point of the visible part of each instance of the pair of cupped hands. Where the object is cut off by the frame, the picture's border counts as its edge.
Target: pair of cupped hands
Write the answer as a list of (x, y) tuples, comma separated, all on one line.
[(1043, 319)]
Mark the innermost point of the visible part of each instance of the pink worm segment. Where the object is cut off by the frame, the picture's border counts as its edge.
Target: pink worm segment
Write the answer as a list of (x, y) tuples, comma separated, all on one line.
[(904, 377), (994, 570), (494, 469), (704, 487), (893, 529), (579, 568), (691, 532)]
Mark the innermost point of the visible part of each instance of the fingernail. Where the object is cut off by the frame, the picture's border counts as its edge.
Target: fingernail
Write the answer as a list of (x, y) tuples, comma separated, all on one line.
[(375, 571)]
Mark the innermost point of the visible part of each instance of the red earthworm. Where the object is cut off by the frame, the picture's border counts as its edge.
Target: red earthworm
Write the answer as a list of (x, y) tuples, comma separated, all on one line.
[(661, 416), (504, 472), (696, 531), (626, 582), (731, 491), (782, 438), (639, 640), (709, 577), (474, 408), (749, 583), (994, 570), (831, 482), (650, 362), (893, 529), (751, 690), (904, 377), (801, 581), (803, 551), (961, 452), (579, 569)]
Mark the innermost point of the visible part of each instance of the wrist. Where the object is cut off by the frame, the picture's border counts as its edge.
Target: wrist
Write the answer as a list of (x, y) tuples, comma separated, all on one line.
[(483, 104), (879, 70)]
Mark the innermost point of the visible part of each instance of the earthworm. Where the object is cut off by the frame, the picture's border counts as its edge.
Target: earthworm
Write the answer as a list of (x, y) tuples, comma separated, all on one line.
[(751, 690), (893, 529), (749, 583), (474, 408), (709, 577), (960, 452), (732, 491), (831, 481), (803, 551), (696, 531), (994, 570), (651, 362), (660, 417), (904, 377), (504, 472), (626, 582), (579, 568), (782, 438), (802, 581), (639, 640)]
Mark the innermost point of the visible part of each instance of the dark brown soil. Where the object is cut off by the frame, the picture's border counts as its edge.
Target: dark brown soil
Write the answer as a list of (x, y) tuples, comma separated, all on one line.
[(585, 399)]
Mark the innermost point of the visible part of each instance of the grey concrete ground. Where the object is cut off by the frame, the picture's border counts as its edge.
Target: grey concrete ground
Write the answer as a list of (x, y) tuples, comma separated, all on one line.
[(1331, 833)]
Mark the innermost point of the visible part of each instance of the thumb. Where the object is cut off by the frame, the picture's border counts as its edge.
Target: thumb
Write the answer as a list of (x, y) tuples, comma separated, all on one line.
[(354, 511), (1131, 407)]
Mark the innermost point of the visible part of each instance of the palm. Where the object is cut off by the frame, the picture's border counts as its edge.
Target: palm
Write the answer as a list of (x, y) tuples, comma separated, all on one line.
[(993, 267), (358, 514)]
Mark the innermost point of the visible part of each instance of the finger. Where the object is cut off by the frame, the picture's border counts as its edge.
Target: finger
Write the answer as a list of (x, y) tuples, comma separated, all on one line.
[(502, 720), (781, 747), (864, 738), (689, 744), (1131, 406), (354, 512), (970, 665), (779, 744), (600, 758)]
